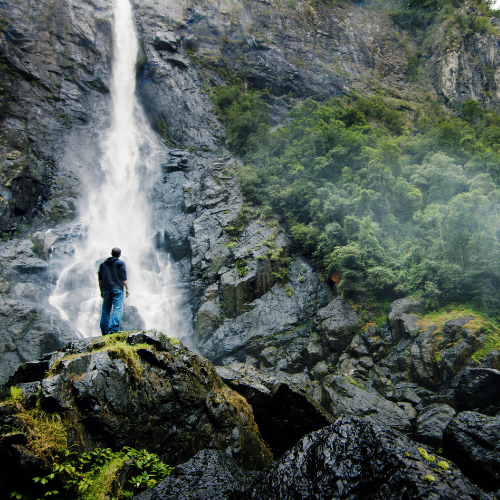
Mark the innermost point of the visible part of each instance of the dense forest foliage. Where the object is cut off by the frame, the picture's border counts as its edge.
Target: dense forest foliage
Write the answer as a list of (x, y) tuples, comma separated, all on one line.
[(394, 197)]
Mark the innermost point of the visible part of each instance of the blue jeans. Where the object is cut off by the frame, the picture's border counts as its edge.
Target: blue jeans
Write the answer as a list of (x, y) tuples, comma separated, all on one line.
[(111, 299)]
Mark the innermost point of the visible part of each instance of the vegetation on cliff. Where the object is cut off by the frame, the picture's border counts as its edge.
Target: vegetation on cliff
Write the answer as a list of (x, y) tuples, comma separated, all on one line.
[(393, 197)]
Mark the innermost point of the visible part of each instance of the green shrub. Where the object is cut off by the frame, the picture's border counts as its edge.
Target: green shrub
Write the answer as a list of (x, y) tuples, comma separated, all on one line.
[(90, 476), (390, 196), (242, 267), (246, 118)]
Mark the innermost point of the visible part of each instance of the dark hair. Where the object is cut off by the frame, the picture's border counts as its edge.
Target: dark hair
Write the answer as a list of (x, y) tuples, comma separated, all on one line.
[(116, 252)]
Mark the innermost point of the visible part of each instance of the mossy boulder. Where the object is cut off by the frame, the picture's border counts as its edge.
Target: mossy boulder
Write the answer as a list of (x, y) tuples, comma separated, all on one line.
[(142, 390)]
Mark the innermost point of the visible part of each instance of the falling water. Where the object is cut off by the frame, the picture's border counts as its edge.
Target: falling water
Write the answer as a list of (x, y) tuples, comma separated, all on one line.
[(118, 212)]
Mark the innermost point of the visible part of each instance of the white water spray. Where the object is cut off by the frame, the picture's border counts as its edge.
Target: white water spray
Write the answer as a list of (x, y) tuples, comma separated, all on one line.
[(118, 210)]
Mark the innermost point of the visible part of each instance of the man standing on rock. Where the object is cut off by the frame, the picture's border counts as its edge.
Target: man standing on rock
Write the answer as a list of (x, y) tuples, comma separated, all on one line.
[(112, 276)]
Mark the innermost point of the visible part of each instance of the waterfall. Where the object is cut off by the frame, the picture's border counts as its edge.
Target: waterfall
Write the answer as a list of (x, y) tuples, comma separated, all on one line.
[(117, 211)]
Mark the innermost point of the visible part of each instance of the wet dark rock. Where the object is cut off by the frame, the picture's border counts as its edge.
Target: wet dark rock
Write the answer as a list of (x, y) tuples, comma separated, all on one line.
[(457, 355), (20, 256), (13, 438), (409, 411), (473, 441), (209, 318), (28, 331), (384, 387), (338, 322), (209, 475), (405, 392), (220, 202), (278, 322), (344, 395), (491, 360), (432, 422), (176, 237), (491, 411), (177, 160), (454, 326), (177, 61), (446, 397), (178, 404), (29, 372), (434, 357), (403, 317), (477, 388), (283, 411), (131, 319), (355, 459), (17, 463)]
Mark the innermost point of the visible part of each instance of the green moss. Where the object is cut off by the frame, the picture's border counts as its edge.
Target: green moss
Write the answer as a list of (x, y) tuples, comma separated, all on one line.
[(117, 346), (491, 342), (16, 395), (353, 382), (46, 433), (426, 456), (289, 291), (443, 465), (441, 316), (429, 478), (436, 358)]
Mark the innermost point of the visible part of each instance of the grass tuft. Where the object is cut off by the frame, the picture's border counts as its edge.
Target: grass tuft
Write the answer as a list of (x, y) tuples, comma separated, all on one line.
[(100, 488), (45, 432), (442, 316)]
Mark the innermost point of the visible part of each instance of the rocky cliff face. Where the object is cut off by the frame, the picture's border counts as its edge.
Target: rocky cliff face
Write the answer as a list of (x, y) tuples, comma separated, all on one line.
[(55, 78), (55, 100)]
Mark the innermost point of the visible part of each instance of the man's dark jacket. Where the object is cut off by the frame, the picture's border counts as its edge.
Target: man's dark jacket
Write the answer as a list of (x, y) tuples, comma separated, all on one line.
[(112, 273)]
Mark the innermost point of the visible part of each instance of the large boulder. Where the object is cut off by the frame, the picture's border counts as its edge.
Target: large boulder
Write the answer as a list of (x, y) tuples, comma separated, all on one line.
[(145, 390), (473, 440), (342, 395), (339, 323), (403, 317), (477, 388), (209, 475), (432, 422), (354, 459), (283, 411), (432, 358)]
